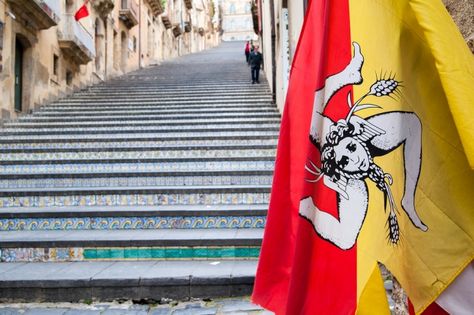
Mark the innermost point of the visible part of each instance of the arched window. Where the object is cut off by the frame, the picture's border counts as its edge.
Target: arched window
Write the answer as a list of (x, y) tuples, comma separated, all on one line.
[(232, 8), (247, 8)]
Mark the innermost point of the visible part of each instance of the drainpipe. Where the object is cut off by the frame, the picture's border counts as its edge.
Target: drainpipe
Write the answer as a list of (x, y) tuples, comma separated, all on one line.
[(106, 48), (273, 36), (139, 34)]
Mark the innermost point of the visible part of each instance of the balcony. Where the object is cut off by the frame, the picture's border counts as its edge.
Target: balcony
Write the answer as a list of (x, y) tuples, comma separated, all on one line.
[(103, 7), (187, 26), (155, 6), (129, 13), (189, 4), (177, 31), (39, 14), (165, 18), (75, 41)]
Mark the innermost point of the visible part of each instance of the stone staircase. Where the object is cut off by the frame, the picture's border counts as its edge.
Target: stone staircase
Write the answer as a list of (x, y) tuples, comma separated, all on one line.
[(153, 185)]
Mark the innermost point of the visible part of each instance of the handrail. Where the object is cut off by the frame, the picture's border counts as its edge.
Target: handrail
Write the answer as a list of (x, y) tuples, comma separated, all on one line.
[(54, 5)]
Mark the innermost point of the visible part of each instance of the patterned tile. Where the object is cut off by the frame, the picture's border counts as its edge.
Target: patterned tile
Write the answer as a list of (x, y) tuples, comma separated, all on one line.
[(128, 223)]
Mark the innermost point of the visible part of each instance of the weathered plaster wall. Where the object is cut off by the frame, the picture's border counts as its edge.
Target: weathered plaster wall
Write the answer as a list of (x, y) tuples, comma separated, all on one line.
[(462, 12)]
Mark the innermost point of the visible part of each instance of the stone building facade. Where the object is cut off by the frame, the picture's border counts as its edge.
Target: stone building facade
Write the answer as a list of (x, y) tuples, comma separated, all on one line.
[(46, 54), (237, 20)]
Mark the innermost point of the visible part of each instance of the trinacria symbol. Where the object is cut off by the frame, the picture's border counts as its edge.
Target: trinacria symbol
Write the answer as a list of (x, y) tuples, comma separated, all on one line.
[(348, 148)]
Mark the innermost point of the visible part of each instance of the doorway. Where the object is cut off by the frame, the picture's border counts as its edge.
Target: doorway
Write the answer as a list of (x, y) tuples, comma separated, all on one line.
[(124, 52), (19, 62)]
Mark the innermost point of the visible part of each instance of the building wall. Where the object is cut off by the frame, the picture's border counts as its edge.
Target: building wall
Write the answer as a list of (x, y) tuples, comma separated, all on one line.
[(50, 71), (237, 20)]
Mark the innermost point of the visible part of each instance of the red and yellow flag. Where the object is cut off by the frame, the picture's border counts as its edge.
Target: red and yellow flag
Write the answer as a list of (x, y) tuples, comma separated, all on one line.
[(375, 161)]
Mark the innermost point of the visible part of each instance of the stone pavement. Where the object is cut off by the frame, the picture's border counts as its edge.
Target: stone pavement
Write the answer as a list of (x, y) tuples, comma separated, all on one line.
[(237, 306)]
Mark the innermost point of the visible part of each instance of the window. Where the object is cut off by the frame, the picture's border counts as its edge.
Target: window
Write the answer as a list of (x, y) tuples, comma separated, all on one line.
[(1, 35), (134, 44), (55, 64), (247, 8), (69, 77), (232, 8), (1, 45)]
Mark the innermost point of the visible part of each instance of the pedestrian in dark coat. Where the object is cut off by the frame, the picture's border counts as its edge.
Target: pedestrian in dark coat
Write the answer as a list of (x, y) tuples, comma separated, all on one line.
[(255, 60)]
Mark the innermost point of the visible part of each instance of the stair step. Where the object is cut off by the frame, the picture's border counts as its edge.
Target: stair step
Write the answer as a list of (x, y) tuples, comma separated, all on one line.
[(91, 180), (144, 190), (145, 84), (151, 100), (130, 238), (134, 129), (138, 123), (101, 280), (211, 165), (162, 111), (154, 105), (175, 94), (72, 146), (137, 155), (159, 97), (144, 117), (67, 174), (135, 196), (138, 136)]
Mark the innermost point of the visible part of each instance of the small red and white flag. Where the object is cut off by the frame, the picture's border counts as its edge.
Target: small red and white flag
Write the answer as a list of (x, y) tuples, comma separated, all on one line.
[(82, 12)]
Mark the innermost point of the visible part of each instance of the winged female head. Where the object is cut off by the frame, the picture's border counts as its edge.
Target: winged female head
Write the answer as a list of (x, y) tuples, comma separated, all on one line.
[(348, 148)]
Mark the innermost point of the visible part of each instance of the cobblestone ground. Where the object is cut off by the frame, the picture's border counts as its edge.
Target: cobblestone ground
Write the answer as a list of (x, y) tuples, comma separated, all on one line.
[(237, 306)]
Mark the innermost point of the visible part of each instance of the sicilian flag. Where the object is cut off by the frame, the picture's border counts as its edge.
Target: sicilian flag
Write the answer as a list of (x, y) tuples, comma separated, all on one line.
[(374, 164), (82, 12)]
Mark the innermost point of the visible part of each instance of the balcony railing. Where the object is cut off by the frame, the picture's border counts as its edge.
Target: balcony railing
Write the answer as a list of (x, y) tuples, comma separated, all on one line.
[(41, 14), (53, 7), (129, 13), (75, 41), (165, 18), (189, 4)]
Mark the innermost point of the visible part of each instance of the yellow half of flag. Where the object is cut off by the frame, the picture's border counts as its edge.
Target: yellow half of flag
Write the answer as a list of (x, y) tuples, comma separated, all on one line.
[(416, 42)]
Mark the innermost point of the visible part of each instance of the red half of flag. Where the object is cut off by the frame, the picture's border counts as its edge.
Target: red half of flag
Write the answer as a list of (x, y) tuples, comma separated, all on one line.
[(82, 12)]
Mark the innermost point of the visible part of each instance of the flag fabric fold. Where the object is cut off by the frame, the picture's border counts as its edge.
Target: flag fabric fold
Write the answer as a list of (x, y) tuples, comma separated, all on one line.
[(82, 12), (374, 162)]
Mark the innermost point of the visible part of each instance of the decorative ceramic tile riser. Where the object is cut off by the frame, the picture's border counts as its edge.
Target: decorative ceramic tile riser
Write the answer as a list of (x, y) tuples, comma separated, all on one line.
[(139, 99), (164, 112), (133, 223), (152, 122), (135, 200), (240, 126), (140, 181), (204, 153), (172, 94), (156, 109), (117, 106), (163, 135), (41, 254), (137, 167), (136, 117), (128, 253), (136, 144)]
